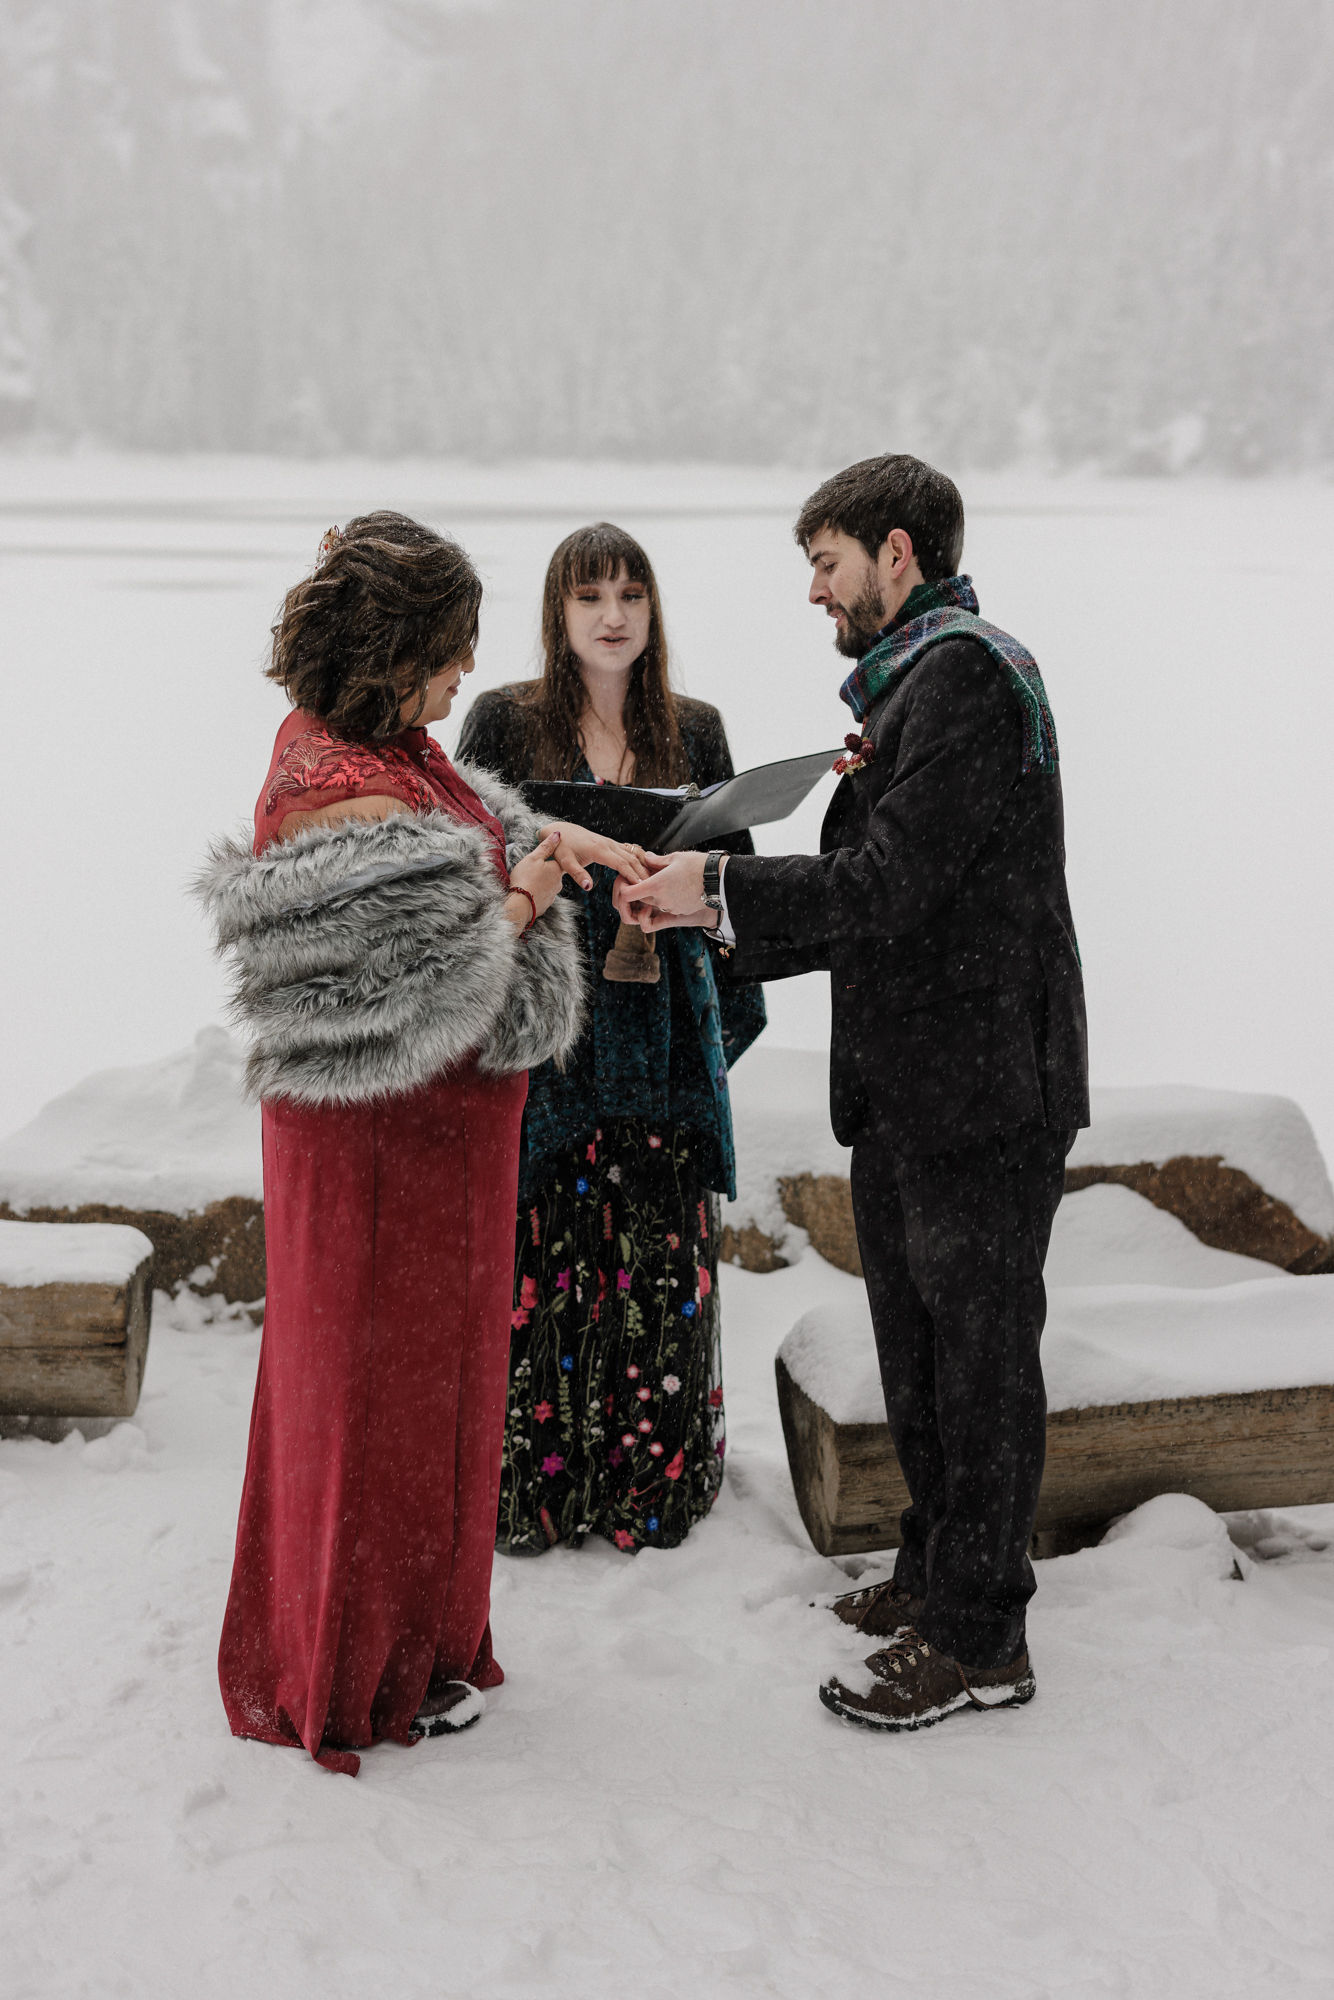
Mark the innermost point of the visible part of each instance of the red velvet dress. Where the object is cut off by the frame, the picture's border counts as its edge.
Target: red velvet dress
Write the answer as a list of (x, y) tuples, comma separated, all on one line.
[(368, 1517)]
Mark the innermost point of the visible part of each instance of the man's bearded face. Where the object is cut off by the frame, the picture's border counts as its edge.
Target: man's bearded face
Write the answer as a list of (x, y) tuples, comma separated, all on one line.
[(862, 619)]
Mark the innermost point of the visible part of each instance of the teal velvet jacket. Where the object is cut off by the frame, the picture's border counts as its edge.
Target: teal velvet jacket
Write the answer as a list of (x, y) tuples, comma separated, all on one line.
[(657, 1053)]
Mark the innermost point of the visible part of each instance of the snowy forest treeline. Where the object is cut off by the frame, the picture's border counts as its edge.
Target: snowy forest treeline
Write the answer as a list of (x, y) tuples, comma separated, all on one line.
[(989, 230)]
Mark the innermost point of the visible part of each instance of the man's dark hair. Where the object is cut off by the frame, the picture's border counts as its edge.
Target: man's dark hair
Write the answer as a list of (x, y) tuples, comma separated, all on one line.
[(866, 500)]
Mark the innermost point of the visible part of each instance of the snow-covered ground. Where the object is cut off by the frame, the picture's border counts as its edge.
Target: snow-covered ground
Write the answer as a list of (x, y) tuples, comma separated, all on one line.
[(1180, 625), (654, 1802)]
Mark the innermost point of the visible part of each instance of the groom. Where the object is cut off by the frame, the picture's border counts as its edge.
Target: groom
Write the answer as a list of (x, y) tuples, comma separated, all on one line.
[(958, 1069)]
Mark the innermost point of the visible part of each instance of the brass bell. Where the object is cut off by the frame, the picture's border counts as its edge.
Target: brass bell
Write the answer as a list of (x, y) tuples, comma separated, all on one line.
[(633, 959)]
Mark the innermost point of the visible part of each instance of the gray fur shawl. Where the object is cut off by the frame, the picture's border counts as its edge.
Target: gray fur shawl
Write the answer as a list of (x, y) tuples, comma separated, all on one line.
[(369, 958)]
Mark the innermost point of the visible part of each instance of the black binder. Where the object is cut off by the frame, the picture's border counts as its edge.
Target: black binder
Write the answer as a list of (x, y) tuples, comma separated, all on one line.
[(669, 821)]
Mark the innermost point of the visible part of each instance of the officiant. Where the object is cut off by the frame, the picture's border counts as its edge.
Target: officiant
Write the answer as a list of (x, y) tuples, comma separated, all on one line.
[(615, 1423), (958, 1070)]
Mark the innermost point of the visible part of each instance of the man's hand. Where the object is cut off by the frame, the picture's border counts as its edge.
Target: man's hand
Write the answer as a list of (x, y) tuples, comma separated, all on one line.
[(702, 919), (671, 898)]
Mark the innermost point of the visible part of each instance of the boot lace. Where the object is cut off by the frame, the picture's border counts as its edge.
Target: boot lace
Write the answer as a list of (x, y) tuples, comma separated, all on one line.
[(905, 1651), (873, 1594), (902, 1651)]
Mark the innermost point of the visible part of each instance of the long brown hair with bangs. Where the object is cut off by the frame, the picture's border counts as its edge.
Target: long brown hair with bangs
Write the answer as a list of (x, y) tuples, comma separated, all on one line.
[(652, 734)]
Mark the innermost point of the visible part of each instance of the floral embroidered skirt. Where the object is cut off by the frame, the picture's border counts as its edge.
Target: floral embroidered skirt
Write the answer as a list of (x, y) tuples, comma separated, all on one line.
[(614, 1424)]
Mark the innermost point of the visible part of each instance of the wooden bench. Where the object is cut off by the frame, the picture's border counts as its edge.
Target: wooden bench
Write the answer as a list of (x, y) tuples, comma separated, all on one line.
[(1267, 1448), (75, 1300)]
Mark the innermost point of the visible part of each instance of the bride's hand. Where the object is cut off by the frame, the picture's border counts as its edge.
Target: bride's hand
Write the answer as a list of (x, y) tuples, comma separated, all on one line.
[(538, 875), (578, 850)]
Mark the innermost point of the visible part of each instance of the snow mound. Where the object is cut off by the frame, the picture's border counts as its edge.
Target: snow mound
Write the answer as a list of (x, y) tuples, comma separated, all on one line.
[(70, 1253), (1179, 1522), (1109, 1235), (1268, 1138), (122, 1448), (172, 1135)]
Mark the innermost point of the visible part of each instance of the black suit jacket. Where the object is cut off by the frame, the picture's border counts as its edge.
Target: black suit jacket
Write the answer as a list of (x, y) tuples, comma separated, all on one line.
[(938, 905)]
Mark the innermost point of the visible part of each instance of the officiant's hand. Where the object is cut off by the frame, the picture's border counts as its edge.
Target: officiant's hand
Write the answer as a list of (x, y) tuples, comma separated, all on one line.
[(579, 850), (671, 897)]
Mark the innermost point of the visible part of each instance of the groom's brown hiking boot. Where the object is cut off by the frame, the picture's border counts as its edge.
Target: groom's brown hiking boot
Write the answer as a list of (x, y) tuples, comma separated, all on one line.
[(881, 1610), (914, 1685)]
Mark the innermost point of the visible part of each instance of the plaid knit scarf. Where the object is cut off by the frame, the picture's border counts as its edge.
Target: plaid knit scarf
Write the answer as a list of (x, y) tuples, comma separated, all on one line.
[(948, 610)]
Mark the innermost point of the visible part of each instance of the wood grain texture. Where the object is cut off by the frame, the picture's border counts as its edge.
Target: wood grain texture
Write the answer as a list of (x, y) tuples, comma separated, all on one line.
[(63, 1315), (74, 1350), (1272, 1447)]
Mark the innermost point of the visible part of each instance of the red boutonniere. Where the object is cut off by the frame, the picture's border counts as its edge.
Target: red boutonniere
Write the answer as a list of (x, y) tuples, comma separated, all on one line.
[(860, 753)]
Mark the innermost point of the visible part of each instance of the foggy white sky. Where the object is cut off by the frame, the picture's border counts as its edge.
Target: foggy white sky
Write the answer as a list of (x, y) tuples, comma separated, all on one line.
[(985, 230)]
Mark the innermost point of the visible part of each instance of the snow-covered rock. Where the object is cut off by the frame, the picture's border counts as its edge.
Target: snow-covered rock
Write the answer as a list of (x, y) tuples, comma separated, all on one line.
[(780, 1108), (1268, 1138), (173, 1135)]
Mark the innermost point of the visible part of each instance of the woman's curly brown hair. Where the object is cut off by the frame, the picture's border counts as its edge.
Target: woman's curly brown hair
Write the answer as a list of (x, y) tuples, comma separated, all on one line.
[(389, 606)]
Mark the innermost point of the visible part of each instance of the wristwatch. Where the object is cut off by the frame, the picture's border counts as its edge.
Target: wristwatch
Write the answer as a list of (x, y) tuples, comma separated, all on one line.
[(713, 890)]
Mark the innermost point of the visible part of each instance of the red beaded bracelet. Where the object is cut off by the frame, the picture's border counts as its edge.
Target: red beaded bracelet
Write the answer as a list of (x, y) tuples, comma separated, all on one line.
[(515, 890)]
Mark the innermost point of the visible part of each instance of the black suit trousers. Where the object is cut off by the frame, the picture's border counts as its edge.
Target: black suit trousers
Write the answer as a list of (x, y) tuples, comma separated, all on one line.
[(952, 1245)]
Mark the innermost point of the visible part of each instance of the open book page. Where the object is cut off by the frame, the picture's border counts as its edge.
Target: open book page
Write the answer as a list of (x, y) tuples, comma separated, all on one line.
[(752, 798)]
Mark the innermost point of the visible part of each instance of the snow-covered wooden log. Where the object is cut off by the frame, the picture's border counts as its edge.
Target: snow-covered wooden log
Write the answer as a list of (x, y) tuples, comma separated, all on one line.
[(74, 1313), (1270, 1448), (1225, 1393)]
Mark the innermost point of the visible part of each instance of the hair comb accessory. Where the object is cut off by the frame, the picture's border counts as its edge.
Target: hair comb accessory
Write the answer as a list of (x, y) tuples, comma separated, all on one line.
[(332, 537)]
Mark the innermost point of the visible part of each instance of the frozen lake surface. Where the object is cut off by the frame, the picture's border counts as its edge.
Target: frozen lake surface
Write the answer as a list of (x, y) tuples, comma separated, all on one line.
[(1181, 627)]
